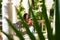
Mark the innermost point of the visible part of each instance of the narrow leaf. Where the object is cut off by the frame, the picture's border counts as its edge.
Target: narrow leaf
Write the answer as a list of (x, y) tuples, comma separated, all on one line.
[(8, 36), (18, 33), (48, 26), (36, 25), (25, 26)]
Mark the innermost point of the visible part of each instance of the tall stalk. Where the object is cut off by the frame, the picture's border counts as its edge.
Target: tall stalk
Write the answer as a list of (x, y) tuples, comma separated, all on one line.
[(57, 22)]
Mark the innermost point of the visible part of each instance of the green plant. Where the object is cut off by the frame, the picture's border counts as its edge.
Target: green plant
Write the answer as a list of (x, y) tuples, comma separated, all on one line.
[(57, 19), (37, 26)]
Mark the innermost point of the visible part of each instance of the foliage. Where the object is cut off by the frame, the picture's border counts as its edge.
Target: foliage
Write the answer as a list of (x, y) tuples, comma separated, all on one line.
[(21, 8), (8, 36), (48, 26), (57, 19), (37, 26)]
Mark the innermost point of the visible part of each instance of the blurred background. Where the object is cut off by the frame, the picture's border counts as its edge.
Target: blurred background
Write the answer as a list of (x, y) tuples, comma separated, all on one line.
[(8, 9)]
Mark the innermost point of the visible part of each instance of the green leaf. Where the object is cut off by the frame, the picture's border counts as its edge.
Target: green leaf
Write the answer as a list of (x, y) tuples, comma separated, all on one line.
[(47, 23), (18, 33), (25, 26), (36, 25), (8, 36), (57, 19)]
